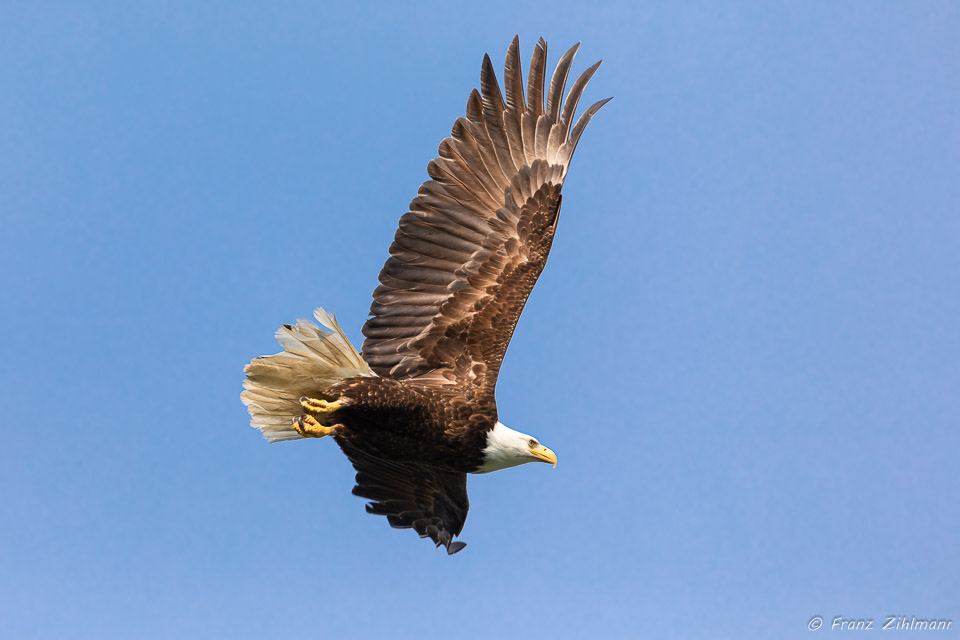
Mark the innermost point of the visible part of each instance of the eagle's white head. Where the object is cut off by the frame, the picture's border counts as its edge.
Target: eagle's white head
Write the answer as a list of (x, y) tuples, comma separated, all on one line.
[(509, 448)]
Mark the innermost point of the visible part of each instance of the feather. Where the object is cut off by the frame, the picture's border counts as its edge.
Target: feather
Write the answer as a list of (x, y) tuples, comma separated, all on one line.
[(581, 125), (558, 82), (512, 76), (312, 359), (432, 502), (538, 72), (573, 98), (493, 110)]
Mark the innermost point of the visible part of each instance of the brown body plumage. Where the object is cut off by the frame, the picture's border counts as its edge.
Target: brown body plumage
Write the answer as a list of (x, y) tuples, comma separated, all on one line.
[(412, 424), (418, 412)]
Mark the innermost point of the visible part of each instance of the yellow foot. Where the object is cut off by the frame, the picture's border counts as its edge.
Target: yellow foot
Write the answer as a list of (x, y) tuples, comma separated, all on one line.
[(308, 427), (319, 408)]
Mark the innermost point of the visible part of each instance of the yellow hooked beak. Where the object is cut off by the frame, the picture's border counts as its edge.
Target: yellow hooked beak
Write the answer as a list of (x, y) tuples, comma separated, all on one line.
[(540, 452)]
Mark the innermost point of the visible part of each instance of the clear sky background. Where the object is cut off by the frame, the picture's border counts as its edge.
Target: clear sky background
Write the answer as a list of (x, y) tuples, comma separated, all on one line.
[(745, 348)]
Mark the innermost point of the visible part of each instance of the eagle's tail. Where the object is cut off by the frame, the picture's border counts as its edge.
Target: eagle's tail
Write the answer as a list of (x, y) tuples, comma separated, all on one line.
[(312, 360)]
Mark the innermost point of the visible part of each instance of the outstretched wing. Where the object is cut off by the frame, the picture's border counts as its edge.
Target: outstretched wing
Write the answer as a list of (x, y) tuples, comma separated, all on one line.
[(430, 501), (476, 238)]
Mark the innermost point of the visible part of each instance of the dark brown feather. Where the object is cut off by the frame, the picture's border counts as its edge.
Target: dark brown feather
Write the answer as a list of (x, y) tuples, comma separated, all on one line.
[(430, 501)]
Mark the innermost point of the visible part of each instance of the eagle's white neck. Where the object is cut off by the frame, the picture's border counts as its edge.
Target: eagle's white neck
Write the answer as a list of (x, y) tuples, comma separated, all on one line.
[(505, 448)]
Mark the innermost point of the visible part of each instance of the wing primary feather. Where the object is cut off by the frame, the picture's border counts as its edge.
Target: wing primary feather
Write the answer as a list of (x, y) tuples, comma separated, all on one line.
[(573, 98), (559, 81), (513, 76), (493, 111), (489, 87), (476, 127), (475, 107), (582, 123), (541, 136), (516, 105), (538, 71)]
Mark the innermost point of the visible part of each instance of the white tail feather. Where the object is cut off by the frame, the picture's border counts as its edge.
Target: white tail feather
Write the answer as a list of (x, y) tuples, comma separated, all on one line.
[(312, 361)]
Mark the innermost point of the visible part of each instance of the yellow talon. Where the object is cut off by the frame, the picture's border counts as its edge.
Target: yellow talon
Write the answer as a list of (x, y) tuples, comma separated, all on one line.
[(308, 427), (319, 407)]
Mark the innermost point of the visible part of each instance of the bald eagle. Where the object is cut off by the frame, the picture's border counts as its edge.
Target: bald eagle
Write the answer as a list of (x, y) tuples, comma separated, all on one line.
[(416, 412)]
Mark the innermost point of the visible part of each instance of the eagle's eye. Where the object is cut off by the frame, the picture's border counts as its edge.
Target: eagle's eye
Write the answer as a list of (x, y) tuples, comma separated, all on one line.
[(532, 443)]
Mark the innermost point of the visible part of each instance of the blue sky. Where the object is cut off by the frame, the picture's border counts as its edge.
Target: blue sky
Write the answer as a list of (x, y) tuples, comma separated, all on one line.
[(744, 349)]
